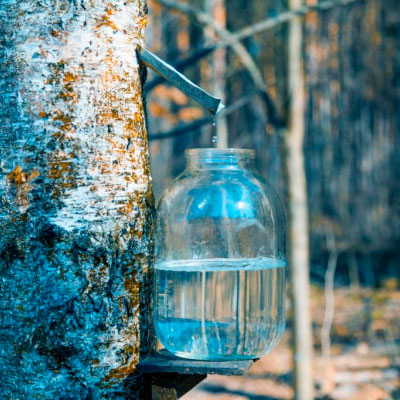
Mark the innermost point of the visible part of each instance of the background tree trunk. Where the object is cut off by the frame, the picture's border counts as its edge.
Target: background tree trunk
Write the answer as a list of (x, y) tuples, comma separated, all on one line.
[(216, 9), (75, 200), (298, 212)]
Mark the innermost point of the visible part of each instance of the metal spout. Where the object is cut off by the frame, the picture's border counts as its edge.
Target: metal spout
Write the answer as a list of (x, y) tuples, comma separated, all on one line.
[(179, 80)]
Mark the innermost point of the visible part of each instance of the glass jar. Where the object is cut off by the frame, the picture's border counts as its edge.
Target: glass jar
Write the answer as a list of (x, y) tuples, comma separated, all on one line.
[(219, 260)]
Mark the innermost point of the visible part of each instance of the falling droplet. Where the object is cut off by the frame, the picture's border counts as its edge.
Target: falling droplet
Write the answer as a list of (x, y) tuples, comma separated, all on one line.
[(214, 139), (219, 109)]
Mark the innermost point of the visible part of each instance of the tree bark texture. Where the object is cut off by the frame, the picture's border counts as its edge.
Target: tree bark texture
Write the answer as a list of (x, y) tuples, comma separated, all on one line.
[(76, 204), (298, 212)]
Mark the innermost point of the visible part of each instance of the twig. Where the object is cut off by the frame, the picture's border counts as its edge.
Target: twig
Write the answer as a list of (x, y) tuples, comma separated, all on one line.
[(207, 20), (252, 30), (233, 40), (181, 129), (279, 19), (198, 123), (353, 269), (240, 50), (329, 298)]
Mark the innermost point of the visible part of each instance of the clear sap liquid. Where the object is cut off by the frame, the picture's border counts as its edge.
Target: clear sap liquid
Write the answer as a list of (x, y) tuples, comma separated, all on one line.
[(220, 309)]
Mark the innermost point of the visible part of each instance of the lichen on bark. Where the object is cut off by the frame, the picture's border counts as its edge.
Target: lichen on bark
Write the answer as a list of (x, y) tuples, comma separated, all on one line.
[(76, 203)]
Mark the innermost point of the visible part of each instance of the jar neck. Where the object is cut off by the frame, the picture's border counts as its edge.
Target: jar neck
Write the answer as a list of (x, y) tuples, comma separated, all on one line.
[(219, 158)]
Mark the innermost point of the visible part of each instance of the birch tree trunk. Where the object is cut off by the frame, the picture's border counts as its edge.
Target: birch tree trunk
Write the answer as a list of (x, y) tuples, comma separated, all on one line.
[(75, 200), (298, 212)]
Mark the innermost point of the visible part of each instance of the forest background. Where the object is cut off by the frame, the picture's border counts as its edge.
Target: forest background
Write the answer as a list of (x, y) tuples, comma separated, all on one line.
[(350, 57)]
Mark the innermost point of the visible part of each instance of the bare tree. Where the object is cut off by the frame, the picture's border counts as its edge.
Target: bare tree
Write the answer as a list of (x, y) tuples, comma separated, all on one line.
[(298, 212), (216, 9), (329, 303), (75, 200)]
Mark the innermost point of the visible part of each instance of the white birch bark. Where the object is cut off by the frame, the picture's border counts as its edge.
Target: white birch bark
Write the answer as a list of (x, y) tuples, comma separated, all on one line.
[(75, 199)]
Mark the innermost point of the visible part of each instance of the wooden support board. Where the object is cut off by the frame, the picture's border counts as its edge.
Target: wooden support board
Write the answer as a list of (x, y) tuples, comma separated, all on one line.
[(168, 377)]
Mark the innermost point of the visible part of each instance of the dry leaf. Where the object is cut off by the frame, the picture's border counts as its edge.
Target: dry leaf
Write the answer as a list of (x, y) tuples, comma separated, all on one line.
[(190, 113)]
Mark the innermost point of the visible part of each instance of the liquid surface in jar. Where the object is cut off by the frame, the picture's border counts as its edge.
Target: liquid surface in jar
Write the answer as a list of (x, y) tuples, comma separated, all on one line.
[(220, 309)]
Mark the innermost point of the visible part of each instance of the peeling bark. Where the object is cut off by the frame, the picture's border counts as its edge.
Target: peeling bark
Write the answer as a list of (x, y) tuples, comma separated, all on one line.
[(76, 203)]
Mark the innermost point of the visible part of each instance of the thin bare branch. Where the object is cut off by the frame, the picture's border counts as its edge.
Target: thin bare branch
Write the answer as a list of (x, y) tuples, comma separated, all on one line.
[(329, 298), (198, 123), (207, 20), (251, 30), (233, 39), (286, 16), (240, 50)]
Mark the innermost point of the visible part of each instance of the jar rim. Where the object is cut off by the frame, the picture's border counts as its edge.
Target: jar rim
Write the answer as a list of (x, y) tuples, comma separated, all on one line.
[(219, 153)]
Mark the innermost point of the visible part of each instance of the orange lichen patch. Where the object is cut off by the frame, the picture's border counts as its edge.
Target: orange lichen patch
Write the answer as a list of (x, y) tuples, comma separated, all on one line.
[(21, 179), (69, 78), (57, 169), (110, 8), (126, 209), (18, 177), (67, 95), (137, 230), (115, 114), (139, 115), (60, 116), (123, 371), (108, 117), (58, 70), (33, 175), (67, 88), (131, 127), (142, 22), (132, 286), (104, 169), (105, 21), (58, 135), (109, 76), (120, 304), (56, 34), (65, 119)]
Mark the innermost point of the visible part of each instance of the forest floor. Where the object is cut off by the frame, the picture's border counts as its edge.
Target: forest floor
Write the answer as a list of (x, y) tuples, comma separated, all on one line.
[(365, 354)]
